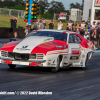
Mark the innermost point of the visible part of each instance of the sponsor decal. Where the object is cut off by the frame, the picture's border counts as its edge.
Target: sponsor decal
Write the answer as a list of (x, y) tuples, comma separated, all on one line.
[(48, 63), (24, 46), (64, 46), (75, 51), (22, 49), (65, 57), (74, 58), (83, 56), (45, 40), (59, 47), (53, 61), (82, 60), (81, 64)]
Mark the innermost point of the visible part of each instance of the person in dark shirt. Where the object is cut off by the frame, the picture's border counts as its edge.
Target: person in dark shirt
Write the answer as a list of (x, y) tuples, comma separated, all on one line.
[(51, 25), (98, 34), (13, 21)]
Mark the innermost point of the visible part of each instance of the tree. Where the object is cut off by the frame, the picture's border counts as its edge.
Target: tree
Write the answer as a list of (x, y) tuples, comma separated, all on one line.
[(77, 5), (43, 6), (56, 7)]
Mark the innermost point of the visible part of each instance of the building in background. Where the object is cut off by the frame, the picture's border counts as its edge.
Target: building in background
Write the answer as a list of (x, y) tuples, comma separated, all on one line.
[(76, 14), (91, 10)]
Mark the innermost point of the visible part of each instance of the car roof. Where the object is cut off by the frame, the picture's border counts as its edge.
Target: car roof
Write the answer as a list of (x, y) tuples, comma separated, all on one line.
[(54, 30)]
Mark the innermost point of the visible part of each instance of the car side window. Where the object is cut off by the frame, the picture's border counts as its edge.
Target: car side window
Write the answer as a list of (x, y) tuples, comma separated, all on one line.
[(74, 38), (71, 39)]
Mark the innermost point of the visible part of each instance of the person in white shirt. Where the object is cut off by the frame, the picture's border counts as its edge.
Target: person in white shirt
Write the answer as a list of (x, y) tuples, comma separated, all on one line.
[(86, 36), (93, 26), (82, 27), (60, 25), (70, 26)]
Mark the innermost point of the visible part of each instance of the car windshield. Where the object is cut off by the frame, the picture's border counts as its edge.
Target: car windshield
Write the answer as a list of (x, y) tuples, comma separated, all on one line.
[(57, 35)]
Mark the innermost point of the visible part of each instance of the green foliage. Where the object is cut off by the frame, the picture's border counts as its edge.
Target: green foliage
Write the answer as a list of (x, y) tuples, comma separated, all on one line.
[(47, 15), (56, 7), (77, 5), (13, 4), (43, 6), (46, 10), (18, 6)]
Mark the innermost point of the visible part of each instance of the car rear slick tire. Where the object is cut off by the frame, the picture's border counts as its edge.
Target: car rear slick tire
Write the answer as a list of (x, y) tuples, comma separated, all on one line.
[(11, 66), (57, 66)]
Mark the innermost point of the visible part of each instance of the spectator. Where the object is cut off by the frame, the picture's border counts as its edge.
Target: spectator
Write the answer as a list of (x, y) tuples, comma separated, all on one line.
[(60, 25), (60, 15), (97, 24), (98, 34), (78, 28), (27, 30), (51, 25), (40, 24), (44, 24), (64, 14), (86, 36), (13, 21), (93, 26), (94, 35), (70, 26), (89, 29), (35, 25), (82, 28)]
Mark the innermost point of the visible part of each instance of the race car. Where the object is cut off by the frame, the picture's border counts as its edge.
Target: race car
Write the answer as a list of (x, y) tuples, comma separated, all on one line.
[(48, 48)]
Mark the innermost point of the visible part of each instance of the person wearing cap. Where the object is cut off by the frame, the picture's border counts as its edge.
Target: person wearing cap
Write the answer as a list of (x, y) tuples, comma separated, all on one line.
[(70, 26), (82, 27)]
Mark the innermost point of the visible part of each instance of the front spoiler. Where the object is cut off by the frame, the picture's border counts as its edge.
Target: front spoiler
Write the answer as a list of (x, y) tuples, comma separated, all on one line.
[(23, 60)]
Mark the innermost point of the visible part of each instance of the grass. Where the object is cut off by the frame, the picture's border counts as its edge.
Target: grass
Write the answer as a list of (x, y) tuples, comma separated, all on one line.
[(5, 22)]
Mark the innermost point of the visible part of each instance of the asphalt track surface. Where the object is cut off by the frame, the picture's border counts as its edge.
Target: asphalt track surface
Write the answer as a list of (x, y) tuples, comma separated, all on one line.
[(67, 84)]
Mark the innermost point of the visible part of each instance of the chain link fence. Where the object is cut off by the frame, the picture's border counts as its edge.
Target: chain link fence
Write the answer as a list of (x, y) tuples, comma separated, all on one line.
[(12, 12)]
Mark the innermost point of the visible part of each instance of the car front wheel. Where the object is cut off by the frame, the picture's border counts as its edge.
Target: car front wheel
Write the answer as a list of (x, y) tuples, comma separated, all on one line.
[(57, 66)]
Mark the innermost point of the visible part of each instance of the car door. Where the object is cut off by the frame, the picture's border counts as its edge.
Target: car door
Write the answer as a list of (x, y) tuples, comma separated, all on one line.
[(74, 48)]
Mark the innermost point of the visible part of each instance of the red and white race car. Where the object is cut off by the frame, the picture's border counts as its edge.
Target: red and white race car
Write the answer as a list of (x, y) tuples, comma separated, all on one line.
[(48, 48)]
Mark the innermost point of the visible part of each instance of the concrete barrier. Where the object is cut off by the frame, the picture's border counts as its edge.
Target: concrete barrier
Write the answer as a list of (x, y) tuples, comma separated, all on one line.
[(8, 32)]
